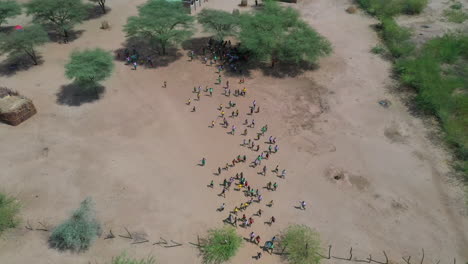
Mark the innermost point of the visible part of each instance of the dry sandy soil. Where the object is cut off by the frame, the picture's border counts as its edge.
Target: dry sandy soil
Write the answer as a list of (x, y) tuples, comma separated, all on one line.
[(135, 152)]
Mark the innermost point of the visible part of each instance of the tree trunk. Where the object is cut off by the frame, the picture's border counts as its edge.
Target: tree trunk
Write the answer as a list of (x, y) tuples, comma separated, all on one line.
[(273, 63), (65, 36), (102, 4), (163, 47), (32, 55)]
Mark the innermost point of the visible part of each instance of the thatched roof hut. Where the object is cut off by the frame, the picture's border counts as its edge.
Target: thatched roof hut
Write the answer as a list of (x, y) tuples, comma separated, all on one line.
[(14, 108)]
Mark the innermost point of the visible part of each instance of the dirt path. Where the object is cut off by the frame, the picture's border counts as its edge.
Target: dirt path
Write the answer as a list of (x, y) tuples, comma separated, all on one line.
[(135, 152)]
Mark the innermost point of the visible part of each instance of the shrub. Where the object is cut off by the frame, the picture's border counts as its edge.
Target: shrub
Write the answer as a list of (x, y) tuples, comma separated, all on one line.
[(379, 49), (123, 259), (221, 245), (302, 245), (389, 8), (9, 208), (78, 232), (456, 5), (456, 15), (412, 7)]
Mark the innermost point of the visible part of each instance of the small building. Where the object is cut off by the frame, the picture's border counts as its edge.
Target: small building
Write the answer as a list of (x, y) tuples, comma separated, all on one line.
[(14, 108)]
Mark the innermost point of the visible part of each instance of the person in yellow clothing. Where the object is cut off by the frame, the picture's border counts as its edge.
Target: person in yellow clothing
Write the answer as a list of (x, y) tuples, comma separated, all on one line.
[(244, 91)]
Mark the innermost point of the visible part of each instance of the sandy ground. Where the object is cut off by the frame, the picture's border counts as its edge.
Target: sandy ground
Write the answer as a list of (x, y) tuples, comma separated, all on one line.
[(135, 152)]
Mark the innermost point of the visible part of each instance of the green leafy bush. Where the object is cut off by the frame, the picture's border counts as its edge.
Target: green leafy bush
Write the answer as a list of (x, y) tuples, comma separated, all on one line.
[(411, 7), (302, 245), (397, 39), (78, 232), (379, 49), (9, 208), (220, 245), (456, 5), (123, 259)]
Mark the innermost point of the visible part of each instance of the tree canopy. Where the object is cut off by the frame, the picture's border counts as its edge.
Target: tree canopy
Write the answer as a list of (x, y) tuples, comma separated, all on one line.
[(218, 22), (161, 23), (275, 33), (23, 41), (89, 66), (8, 9), (61, 14)]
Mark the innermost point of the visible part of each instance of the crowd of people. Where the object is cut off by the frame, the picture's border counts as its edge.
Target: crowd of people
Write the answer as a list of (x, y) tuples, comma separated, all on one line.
[(222, 53)]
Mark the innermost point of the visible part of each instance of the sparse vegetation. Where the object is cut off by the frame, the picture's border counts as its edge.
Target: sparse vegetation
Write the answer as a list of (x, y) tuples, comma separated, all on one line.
[(275, 34), (161, 23), (24, 41), (78, 232), (302, 245), (220, 245), (439, 72), (9, 208), (8, 9), (124, 259), (389, 8)]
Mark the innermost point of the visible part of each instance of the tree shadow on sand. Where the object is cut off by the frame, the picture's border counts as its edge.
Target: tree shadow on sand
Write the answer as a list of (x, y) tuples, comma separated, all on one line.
[(95, 12), (145, 52), (196, 44), (75, 94), (244, 66), (72, 35), (13, 64)]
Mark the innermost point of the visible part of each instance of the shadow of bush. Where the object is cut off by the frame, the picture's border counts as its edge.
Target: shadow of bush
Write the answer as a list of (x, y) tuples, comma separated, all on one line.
[(13, 64), (76, 94)]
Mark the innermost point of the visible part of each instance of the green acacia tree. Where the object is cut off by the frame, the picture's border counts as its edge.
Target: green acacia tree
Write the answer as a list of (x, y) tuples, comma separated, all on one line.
[(8, 9), (61, 14), (89, 67), (275, 33), (23, 42), (218, 22), (161, 23)]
